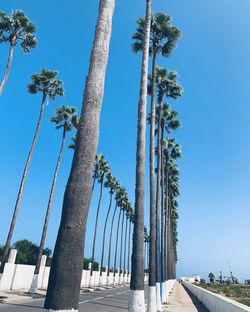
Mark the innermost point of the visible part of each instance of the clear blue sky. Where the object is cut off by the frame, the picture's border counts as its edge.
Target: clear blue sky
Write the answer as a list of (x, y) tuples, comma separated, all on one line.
[(212, 60)]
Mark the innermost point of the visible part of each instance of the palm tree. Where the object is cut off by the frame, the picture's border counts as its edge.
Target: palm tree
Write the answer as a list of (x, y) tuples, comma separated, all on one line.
[(121, 243), (137, 301), (14, 29), (131, 221), (112, 184), (128, 212), (117, 191), (166, 85), (168, 122), (120, 199), (163, 38), (50, 87), (66, 270), (98, 160), (65, 118), (103, 169), (172, 152)]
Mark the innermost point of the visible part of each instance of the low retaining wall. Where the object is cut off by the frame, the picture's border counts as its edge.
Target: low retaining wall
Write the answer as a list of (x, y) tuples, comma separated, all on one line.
[(19, 277), (214, 302)]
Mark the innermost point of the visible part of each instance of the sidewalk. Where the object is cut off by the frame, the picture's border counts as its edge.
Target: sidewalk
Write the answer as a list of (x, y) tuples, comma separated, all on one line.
[(181, 301), (11, 296)]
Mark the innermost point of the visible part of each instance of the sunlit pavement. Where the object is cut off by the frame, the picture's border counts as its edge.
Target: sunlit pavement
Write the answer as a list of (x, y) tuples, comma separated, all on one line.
[(114, 299), (182, 301)]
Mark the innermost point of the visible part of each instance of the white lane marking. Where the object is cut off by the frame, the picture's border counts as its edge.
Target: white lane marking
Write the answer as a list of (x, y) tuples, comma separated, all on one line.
[(94, 299), (97, 298), (84, 301)]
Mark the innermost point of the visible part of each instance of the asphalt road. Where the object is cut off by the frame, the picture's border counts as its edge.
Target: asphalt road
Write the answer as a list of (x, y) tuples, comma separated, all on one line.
[(108, 300)]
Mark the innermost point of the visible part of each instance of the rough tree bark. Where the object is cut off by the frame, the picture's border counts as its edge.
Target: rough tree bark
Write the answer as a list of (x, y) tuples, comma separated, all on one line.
[(67, 263)]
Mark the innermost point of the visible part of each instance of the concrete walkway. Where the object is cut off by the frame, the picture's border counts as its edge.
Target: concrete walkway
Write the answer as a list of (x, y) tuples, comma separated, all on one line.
[(181, 300)]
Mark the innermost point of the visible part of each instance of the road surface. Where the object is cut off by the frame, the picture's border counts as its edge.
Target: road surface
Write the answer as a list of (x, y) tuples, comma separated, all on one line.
[(108, 300)]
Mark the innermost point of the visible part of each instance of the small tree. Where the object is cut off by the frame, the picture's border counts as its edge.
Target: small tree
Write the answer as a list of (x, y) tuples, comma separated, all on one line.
[(211, 277)]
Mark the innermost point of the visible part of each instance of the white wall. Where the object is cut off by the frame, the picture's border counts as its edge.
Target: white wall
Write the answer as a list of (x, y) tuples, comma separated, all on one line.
[(214, 302), (19, 277)]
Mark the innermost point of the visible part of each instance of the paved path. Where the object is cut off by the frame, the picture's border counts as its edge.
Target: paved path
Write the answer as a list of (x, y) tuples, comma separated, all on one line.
[(182, 301), (109, 300)]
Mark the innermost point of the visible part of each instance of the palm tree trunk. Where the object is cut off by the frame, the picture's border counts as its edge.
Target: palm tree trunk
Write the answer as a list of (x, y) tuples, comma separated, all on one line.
[(104, 230), (121, 243), (137, 301), (51, 196), (116, 244), (168, 240), (66, 271), (21, 188), (110, 238), (158, 213), (125, 248), (7, 69), (96, 224), (166, 216), (163, 269), (152, 269), (129, 240)]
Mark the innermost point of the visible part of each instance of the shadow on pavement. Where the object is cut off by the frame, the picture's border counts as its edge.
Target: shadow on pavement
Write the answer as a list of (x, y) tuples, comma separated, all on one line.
[(199, 306)]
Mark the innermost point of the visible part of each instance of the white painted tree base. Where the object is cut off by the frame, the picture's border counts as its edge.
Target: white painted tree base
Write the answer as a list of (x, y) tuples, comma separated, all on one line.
[(101, 280), (91, 281), (164, 298), (61, 310), (151, 299), (136, 301), (34, 285), (158, 297)]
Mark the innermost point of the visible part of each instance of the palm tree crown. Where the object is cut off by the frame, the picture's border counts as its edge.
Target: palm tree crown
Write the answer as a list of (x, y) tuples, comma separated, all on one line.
[(46, 82), (17, 28), (163, 36), (166, 84), (66, 118)]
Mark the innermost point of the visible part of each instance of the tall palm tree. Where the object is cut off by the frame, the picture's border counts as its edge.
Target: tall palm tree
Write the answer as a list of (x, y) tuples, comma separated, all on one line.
[(103, 169), (172, 152), (166, 86), (112, 184), (168, 122), (128, 212), (163, 38), (117, 191), (125, 248), (66, 269), (121, 243), (50, 87), (120, 199), (137, 301), (14, 29), (65, 118), (131, 221)]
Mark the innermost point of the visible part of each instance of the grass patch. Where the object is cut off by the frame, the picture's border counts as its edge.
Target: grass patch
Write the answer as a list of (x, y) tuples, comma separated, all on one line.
[(240, 293)]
